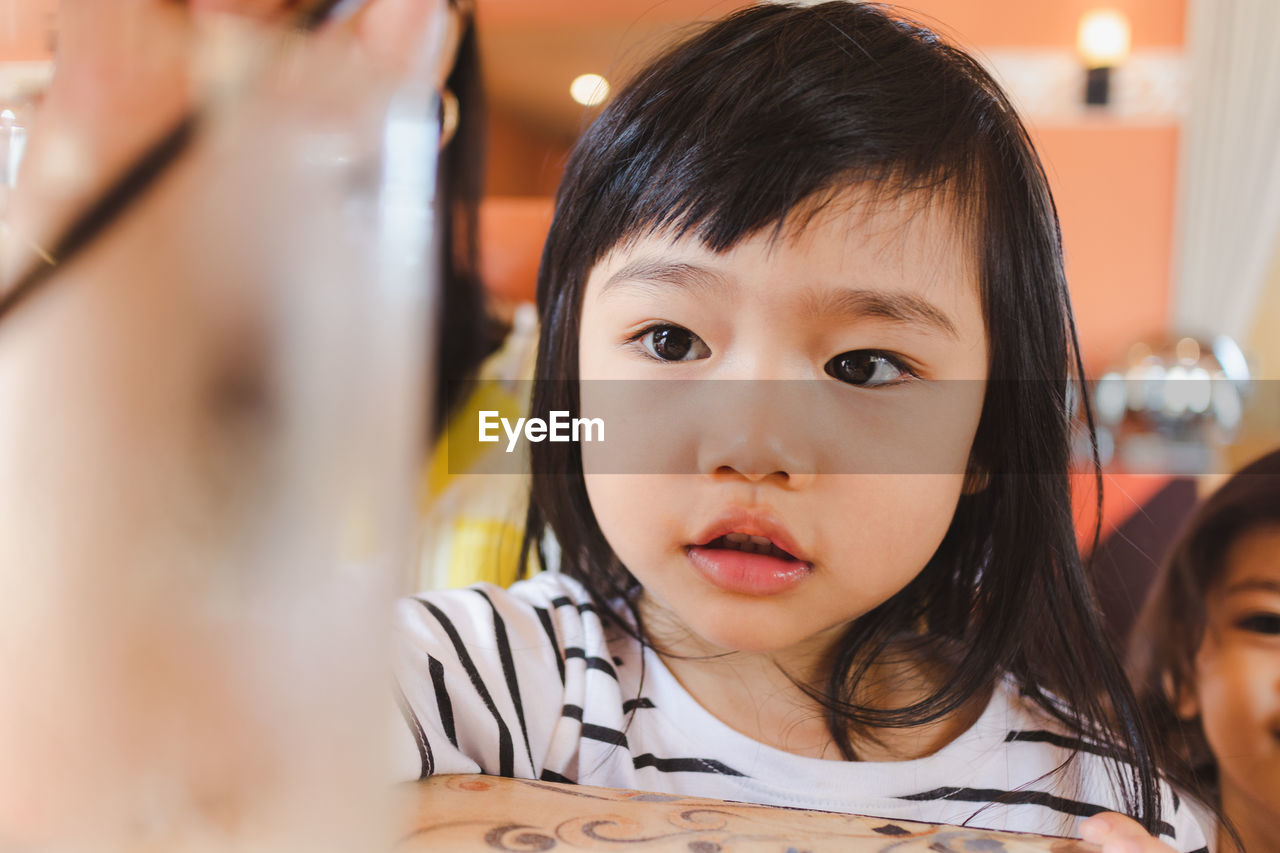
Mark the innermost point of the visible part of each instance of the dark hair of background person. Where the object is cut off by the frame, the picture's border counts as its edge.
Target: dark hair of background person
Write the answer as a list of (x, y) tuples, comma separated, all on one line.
[(754, 123), (1172, 625), (466, 332)]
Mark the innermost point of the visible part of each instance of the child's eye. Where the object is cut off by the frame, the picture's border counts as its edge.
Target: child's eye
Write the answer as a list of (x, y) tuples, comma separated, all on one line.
[(672, 343), (1260, 623), (867, 368)]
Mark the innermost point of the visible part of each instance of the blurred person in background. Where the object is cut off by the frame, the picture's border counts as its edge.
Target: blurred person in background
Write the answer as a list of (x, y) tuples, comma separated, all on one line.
[(1206, 656)]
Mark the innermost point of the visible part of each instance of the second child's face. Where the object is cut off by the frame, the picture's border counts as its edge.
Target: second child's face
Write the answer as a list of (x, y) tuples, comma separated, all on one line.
[(1238, 679), (804, 409)]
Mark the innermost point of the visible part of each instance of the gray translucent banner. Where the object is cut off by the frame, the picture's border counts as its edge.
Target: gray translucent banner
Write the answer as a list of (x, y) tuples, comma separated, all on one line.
[(808, 427)]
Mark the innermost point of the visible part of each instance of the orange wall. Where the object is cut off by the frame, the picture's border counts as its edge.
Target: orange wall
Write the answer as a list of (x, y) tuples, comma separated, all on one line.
[(521, 160), (1004, 23), (1115, 188), (1018, 23)]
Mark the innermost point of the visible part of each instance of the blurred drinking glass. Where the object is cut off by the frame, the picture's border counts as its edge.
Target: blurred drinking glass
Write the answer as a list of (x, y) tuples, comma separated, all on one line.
[(210, 420)]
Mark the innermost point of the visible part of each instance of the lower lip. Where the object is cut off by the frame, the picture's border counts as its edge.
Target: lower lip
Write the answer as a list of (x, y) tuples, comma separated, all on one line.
[(748, 574)]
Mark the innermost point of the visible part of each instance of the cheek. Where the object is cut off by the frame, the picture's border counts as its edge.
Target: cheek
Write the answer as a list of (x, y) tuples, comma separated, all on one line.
[(885, 528), (1238, 699), (629, 509)]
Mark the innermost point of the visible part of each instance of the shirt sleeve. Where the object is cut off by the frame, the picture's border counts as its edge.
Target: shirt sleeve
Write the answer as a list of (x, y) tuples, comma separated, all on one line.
[(1193, 825), (478, 683)]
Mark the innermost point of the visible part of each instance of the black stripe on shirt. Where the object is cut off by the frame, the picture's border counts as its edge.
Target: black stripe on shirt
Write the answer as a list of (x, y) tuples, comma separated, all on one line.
[(565, 601), (632, 704), (1074, 744), (592, 662), (506, 749), (443, 704), (604, 734), (419, 736), (509, 670), (545, 618), (1021, 798), (553, 776), (592, 731), (683, 765)]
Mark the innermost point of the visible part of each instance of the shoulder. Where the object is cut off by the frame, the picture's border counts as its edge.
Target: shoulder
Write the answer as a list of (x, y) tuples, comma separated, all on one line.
[(533, 619), (484, 673), (1083, 775), (549, 591)]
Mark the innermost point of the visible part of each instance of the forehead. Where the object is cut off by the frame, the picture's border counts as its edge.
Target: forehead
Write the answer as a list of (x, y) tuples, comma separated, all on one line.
[(908, 243), (1252, 562), (902, 229)]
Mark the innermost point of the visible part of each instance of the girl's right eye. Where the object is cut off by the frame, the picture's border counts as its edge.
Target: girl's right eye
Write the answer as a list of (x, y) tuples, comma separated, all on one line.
[(1261, 623), (667, 342)]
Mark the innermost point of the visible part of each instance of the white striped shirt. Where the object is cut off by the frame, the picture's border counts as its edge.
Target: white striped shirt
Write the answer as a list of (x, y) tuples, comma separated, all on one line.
[(526, 682)]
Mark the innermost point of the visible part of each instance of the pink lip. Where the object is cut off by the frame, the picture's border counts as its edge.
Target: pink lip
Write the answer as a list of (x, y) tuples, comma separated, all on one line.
[(752, 524), (746, 573)]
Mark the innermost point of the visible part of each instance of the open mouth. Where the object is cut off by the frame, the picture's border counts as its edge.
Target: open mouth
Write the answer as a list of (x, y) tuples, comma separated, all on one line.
[(750, 545), (749, 564)]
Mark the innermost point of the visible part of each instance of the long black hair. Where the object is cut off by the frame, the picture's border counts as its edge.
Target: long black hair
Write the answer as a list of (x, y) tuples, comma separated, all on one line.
[(467, 332), (762, 116)]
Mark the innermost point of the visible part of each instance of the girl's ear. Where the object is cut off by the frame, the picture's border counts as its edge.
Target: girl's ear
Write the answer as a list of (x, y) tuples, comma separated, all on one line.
[(1186, 704)]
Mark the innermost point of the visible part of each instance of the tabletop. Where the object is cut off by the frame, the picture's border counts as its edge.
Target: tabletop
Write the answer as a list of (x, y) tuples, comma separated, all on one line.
[(491, 813)]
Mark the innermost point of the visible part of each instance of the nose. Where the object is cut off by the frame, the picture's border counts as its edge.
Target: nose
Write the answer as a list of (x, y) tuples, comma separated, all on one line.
[(752, 434)]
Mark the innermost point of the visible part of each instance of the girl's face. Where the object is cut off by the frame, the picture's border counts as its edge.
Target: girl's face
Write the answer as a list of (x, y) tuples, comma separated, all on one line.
[(847, 474), (1238, 679)]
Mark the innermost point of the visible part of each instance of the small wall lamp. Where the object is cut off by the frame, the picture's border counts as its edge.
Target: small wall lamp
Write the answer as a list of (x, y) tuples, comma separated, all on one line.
[(1103, 43)]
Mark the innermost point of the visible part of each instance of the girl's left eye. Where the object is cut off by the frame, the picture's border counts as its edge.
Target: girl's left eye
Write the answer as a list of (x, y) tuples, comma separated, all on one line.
[(867, 368), (1260, 623)]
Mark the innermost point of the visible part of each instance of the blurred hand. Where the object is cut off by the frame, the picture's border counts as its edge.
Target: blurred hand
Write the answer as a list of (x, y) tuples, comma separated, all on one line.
[(126, 72), (1117, 833), (122, 75)]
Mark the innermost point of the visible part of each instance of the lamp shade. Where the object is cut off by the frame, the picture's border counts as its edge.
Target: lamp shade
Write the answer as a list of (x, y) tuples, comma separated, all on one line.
[(1103, 38)]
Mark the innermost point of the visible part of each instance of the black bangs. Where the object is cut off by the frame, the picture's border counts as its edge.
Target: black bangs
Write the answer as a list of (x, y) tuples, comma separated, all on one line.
[(747, 125)]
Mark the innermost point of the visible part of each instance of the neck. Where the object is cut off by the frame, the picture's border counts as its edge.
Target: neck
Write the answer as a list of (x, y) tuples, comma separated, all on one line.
[(1257, 822), (767, 696)]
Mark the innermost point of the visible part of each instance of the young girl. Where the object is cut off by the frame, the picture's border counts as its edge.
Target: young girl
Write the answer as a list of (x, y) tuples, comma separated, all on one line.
[(856, 589), (1208, 657)]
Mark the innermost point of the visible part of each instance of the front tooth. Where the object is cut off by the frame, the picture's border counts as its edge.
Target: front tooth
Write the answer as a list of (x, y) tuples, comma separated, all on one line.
[(761, 542), (737, 538)]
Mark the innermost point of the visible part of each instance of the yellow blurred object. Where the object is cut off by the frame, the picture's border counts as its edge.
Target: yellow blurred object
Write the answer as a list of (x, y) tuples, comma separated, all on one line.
[(473, 508), (485, 550)]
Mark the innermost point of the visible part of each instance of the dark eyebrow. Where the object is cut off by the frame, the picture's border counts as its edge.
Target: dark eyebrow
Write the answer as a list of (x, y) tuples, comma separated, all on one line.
[(851, 303), (1254, 584), (646, 272), (905, 308)]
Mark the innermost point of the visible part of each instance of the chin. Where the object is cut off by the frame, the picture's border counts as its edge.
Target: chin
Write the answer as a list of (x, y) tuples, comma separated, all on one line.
[(736, 631)]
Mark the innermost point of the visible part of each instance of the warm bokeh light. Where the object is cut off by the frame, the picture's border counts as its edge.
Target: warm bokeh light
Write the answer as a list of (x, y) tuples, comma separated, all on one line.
[(589, 89), (1103, 38)]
